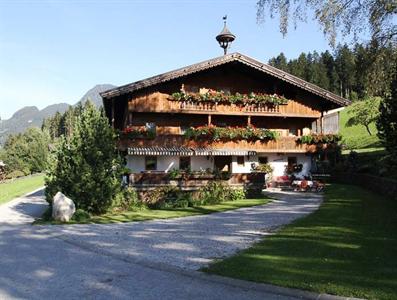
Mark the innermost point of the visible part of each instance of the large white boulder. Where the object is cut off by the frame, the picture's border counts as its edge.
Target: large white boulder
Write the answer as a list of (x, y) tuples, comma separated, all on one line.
[(63, 208)]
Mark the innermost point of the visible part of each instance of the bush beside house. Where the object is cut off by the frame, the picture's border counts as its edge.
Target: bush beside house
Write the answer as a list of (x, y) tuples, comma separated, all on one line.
[(86, 166)]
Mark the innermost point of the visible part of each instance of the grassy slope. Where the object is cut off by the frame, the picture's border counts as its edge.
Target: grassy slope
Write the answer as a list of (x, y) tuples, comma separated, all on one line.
[(19, 187), (348, 247), (149, 214), (357, 137)]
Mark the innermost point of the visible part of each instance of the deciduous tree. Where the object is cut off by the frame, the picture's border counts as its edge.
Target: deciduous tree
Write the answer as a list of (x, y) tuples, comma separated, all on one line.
[(345, 17), (364, 113)]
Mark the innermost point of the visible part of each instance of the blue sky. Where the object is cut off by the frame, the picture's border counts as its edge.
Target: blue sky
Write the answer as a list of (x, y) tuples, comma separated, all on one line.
[(54, 51)]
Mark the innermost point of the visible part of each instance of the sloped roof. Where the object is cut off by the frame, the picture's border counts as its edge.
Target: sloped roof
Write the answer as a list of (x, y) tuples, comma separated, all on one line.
[(211, 63)]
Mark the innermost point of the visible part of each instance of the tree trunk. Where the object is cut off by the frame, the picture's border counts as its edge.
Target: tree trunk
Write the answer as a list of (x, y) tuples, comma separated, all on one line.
[(367, 127)]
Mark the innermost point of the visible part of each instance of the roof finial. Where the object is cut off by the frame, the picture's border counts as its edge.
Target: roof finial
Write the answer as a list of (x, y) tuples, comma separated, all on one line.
[(225, 37)]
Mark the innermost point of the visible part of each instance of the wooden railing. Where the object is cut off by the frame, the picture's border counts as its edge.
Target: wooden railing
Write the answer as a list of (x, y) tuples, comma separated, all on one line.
[(282, 144), (159, 102), (213, 107)]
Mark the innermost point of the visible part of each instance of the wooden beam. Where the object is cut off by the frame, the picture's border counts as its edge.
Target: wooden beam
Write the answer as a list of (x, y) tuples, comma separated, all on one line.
[(322, 123)]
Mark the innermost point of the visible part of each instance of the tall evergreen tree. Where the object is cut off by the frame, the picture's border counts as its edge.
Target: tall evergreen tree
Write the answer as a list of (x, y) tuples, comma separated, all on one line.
[(86, 166), (280, 62), (345, 66)]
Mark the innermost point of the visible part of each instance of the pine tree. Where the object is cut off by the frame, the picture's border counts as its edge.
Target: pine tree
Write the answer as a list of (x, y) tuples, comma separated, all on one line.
[(280, 62), (345, 66), (86, 166)]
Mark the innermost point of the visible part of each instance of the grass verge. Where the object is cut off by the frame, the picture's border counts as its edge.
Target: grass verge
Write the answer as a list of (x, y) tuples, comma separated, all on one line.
[(348, 248), (150, 214), (18, 187)]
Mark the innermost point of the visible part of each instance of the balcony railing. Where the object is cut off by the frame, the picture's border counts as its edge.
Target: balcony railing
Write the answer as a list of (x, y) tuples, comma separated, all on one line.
[(159, 102), (212, 107), (281, 144)]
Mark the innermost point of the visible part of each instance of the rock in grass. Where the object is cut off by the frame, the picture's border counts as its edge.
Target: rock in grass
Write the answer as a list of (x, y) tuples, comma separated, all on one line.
[(63, 208)]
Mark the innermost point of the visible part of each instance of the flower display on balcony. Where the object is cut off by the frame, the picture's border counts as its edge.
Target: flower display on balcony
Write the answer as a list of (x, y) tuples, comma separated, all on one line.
[(221, 97), (214, 133), (134, 132), (315, 139)]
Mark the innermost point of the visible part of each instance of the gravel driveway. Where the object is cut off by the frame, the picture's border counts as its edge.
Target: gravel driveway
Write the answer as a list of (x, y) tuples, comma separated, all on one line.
[(140, 260), (191, 242)]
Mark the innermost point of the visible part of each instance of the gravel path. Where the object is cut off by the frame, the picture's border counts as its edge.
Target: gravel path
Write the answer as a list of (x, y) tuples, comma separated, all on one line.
[(140, 260), (23, 210), (191, 242)]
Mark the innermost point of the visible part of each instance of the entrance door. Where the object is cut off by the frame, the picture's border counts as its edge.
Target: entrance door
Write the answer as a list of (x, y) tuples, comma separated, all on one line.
[(223, 163)]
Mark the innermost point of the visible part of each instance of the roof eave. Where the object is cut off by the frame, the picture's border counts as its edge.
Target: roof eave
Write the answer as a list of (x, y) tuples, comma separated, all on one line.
[(310, 87)]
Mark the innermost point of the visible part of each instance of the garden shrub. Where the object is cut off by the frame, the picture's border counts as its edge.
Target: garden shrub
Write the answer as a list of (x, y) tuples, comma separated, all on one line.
[(236, 194), (156, 198), (214, 192), (128, 200), (81, 216), (15, 174), (173, 197)]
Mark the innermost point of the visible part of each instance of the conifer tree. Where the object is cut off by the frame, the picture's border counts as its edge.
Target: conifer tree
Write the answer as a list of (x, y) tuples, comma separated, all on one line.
[(85, 166)]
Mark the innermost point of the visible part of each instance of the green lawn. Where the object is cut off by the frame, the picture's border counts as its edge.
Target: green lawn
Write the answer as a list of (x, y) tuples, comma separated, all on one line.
[(149, 214), (357, 137), (18, 187), (348, 248)]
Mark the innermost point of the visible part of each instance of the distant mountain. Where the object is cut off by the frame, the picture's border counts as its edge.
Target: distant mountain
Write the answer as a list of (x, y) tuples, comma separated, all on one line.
[(93, 94), (31, 116)]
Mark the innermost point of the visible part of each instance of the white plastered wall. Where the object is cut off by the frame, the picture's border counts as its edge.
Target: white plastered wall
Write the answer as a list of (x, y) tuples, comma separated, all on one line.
[(246, 167), (279, 162), (201, 163), (136, 163), (166, 163)]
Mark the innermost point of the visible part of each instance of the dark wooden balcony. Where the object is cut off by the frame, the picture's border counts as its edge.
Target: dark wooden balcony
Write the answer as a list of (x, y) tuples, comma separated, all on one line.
[(161, 103), (280, 145)]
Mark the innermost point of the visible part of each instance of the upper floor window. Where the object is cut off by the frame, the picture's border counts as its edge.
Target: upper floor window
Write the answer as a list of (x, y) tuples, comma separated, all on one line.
[(240, 160), (184, 163), (183, 129), (150, 126), (150, 163), (293, 131), (262, 160)]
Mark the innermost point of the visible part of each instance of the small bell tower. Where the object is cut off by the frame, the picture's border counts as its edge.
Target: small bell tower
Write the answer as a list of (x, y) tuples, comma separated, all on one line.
[(225, 38)]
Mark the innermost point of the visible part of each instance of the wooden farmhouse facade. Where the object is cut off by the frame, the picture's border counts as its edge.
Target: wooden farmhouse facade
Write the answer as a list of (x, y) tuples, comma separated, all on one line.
[(228, 114)]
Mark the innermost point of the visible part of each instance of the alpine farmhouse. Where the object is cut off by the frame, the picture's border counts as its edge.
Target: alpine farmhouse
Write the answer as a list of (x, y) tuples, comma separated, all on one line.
[(229, 114)]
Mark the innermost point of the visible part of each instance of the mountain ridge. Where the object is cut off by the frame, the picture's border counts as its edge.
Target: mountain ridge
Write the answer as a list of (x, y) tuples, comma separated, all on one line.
[(31, 116)]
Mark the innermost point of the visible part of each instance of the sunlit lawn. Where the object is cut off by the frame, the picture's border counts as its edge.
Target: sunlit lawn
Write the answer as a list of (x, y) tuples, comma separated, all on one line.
[(18, 187), (149, 214), (356, 137), (348, 248)]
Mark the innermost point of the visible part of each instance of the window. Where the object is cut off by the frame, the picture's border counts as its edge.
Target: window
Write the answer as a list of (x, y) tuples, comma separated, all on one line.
[(262, 160), (184, 162), (150, 163), (183, 129), (240, 160), (151, 126), (293, 132), (292, 161)]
